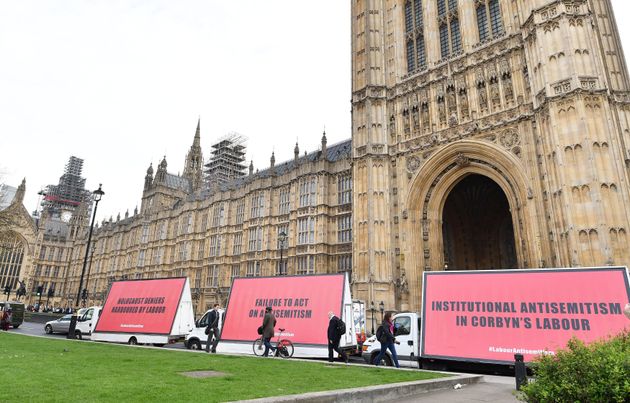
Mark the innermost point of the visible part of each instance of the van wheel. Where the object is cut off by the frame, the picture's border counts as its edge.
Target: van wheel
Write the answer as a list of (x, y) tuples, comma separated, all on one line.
[(194, 345), (132, 341), (386, 361), (77, 335)]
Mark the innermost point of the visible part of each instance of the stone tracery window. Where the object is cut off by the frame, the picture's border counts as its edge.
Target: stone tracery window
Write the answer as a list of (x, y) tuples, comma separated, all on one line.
[(414, 34), (11, 257), (450, 36), (489, 20)]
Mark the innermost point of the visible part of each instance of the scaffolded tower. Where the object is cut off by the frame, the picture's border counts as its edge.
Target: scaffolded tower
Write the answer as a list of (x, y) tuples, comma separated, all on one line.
[(227, 161), (70, 191)]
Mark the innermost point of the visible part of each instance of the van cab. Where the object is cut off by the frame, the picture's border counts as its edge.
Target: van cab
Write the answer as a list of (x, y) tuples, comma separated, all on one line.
[(86, 321), (197, 338), (407, 327)]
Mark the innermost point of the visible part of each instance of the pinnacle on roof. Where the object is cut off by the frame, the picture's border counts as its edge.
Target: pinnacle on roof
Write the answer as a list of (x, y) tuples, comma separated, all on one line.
[(197, 141)]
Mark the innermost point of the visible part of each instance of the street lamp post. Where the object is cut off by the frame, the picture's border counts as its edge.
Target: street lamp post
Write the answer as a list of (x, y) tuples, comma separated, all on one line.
[(97, 196), (84, 294), (373, 310), (282, 237), (381, 306)]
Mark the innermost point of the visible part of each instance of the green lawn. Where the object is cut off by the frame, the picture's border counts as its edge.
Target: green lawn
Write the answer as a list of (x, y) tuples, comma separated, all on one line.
[(36, 370)]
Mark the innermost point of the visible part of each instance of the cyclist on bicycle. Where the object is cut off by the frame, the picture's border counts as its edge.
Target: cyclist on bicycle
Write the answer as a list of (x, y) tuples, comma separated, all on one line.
[(268, 325)]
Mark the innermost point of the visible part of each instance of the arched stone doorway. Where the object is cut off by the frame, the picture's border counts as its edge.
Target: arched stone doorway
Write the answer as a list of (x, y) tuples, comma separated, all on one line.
[(477, 226)]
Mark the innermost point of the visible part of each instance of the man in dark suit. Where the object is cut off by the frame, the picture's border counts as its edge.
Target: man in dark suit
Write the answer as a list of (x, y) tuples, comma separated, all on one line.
[(213, 329), (334, 337)]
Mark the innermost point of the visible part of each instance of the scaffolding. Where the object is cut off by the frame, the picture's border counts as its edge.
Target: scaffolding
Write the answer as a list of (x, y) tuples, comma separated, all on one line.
[(70, 191), (227, 161)]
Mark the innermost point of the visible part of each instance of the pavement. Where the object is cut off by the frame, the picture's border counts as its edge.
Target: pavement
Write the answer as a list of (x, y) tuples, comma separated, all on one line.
[(490, 389)]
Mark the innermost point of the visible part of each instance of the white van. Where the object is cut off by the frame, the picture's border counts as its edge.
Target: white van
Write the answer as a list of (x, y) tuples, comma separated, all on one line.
[(152, 311), (86, 321), (407, 333), (197, 338)]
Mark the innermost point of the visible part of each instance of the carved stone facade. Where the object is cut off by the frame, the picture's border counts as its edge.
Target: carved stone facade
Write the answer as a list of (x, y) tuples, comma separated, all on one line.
[(212, 236), (534, 105)]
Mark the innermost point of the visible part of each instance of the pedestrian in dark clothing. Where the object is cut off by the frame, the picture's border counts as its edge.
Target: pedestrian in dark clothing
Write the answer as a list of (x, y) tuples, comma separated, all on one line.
[(213, 329), (387, 340), (334, 337), (268, 325)]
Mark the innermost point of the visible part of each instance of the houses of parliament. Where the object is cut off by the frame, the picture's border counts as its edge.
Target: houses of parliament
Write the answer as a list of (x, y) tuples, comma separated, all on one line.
[(486, 134)]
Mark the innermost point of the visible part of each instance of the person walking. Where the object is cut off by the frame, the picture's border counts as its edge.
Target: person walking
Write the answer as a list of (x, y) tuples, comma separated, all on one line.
[(387, 340), (268, 325), (4, 319), (213, 329), (334, 336)]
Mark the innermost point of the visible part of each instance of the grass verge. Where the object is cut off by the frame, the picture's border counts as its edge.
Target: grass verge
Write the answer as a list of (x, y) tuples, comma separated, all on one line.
[(37, 370)]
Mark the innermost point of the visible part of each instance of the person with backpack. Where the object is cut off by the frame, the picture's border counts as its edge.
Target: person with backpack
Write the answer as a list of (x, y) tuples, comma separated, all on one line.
[(336, 328), (385, 335), (213, 329)]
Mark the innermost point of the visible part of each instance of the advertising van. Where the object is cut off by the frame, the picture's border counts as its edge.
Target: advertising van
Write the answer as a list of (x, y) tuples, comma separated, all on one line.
[(489, 316), (300, 305), (157, 311)]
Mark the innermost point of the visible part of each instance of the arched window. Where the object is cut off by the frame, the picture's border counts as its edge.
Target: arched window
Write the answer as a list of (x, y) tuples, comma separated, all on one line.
[(450, 36), (11, 257), (414, 34), (489, 20)]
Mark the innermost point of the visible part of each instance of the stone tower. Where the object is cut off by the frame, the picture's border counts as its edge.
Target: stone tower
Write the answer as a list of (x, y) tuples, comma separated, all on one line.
[(487, 134), (193, 168)]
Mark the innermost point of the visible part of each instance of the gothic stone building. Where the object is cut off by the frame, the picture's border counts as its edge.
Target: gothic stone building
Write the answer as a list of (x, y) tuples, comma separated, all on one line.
[(212, 235), (486, 134)]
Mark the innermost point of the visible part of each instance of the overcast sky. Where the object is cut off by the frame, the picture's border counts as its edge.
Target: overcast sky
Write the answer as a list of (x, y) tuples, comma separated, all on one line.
[(122, 83)]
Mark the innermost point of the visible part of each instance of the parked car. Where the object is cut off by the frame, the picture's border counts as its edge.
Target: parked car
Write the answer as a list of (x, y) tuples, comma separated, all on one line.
[(60, 325)]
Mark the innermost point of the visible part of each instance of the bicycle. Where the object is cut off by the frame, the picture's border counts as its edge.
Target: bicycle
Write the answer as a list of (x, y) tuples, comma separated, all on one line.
[(284, 347)]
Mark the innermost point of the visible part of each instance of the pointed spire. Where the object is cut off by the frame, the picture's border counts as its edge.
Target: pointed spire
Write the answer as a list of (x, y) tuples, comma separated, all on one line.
[(135, 211), (296, 151), (150, 170), (324, 142), (118, 217), (196, 142), (19, 194), (251, 167), (273, 159), (127, 213)]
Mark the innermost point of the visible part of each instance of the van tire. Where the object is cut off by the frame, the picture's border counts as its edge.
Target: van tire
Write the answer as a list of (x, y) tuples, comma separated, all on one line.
[(133, 341), (194, 344), (77, 335), (386, 359)]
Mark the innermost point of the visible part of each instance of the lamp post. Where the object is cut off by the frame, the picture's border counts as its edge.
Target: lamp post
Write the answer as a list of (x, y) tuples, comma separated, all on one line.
[(97, 195), (84, 294), (381, 306), (282, 237), (373, 311)]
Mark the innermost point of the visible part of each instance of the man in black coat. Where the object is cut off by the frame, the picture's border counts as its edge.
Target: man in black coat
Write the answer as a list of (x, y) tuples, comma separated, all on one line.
[(334, 337), (213, 329)]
